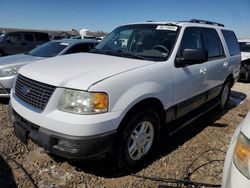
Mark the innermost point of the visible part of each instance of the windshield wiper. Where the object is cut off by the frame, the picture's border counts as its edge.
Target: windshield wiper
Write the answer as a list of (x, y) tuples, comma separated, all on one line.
[(130, 54), (117, 53), (97, 51)]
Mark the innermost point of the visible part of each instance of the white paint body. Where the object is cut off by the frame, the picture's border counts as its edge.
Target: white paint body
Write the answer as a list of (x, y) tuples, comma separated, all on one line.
[(127, 81)]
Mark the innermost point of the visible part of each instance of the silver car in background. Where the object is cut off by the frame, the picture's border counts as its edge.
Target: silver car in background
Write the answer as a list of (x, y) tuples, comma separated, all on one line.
[(9, 65)]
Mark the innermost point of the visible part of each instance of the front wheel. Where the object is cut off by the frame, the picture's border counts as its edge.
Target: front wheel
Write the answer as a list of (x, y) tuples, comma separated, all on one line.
[(139, 140), (225, 94)]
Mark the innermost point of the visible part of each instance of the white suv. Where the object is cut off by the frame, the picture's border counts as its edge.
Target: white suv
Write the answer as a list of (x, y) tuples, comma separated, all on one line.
[(118, 98)]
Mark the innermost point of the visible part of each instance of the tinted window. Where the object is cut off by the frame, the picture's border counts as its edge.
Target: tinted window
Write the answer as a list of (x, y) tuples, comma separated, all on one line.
[(49, 49), (28, 37), (14, 38), (191, 39), (245, 46), (42, 36), (79, 48), (232, 43), (213, 43)]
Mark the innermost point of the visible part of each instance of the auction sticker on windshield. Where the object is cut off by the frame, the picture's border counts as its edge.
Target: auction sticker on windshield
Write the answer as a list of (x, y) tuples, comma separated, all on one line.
[(167, 27)]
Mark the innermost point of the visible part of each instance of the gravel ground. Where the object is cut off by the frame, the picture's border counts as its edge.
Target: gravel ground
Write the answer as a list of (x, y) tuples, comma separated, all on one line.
[(212, 131)]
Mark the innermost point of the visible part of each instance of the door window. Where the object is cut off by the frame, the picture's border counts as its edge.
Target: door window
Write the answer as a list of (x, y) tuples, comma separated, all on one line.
[(13, 38), (191, 39), (29, 37), (213, 43)]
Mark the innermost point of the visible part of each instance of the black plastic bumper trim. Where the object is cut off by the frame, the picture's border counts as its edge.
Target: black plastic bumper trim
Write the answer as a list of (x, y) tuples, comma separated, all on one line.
[(85, 147)]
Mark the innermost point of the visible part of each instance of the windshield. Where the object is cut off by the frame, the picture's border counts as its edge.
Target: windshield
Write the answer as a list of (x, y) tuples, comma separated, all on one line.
[(146, 41), (245, 46), (49, 49)]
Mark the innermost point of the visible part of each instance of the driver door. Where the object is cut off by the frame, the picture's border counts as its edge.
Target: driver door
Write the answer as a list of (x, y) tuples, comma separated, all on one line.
[(189, 81)]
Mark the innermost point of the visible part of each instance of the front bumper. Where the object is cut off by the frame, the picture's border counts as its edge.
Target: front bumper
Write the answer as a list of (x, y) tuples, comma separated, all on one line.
[(6, 84), (235, 179), (86, 147)]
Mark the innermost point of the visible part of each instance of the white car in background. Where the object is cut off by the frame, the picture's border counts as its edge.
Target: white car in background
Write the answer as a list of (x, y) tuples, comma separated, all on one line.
[(236, 172), (245, 59)]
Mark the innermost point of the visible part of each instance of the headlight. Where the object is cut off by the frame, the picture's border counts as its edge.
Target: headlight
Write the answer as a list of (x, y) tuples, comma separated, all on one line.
[(9, 71), (242, 155), (82, 102)]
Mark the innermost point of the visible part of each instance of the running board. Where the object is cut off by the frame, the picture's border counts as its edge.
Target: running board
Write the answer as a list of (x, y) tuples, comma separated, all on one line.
[(192, 116)]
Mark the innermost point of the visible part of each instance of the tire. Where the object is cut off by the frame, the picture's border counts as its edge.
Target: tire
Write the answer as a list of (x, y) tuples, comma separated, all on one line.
[(225, 94), (1, 53), (248, 75), (138, 140)]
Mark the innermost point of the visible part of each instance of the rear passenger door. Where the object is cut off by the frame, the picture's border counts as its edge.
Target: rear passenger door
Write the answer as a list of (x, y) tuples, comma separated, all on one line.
[(217, 64)]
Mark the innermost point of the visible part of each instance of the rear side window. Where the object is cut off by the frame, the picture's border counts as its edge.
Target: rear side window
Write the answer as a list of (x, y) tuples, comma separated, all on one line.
[(42, 36), (28, 37), (212, 43), (232, 43)]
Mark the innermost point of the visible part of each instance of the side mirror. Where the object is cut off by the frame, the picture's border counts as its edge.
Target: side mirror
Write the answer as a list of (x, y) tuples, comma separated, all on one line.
[(191, 57)]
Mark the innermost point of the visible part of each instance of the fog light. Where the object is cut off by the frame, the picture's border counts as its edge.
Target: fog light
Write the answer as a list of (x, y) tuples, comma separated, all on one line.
[(67, 146)]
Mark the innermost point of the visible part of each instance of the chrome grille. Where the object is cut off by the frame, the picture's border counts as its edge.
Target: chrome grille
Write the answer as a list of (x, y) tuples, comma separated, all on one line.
[(32, 92)]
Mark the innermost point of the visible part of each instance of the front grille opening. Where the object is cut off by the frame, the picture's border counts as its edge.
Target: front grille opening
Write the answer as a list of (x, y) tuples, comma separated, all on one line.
[(34, 93)]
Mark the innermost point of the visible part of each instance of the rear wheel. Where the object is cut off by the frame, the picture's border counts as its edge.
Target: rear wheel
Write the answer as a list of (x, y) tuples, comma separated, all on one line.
[(1, 53), (139, 140), (225, 94)]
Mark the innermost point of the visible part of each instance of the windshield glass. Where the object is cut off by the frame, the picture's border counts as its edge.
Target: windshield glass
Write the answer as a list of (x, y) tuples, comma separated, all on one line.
[(146, 41), (245, 46), (49, 49)]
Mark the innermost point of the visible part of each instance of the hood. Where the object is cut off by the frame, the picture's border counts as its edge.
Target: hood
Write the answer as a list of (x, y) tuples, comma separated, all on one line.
[(18, 58), (246, 125), (79, 71)]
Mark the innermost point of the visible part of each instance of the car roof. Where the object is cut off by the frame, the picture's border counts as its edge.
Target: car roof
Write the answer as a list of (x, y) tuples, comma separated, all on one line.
[(76, 41)]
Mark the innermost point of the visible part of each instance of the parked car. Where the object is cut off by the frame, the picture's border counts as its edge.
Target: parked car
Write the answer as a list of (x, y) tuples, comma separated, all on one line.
[(236, 172), (9, 65), (21, 41), (118, 98), (245, 59)]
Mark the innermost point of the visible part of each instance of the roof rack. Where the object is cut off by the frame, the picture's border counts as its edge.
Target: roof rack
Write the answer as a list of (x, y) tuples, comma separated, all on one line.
[(206, 22)]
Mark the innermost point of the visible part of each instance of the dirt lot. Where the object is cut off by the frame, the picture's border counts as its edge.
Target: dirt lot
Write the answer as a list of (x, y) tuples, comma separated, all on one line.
[(212, 131)]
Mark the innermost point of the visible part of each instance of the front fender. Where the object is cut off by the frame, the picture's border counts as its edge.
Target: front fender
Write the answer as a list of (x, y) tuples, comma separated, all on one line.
[(140, 92)]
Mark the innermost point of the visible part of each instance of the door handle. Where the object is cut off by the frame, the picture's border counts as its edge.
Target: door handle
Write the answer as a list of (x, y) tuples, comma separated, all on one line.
[(225, 64), (203, 70)]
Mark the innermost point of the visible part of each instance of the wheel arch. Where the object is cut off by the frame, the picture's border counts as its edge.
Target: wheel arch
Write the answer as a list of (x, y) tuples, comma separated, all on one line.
[(147, 103), (230, 78)]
